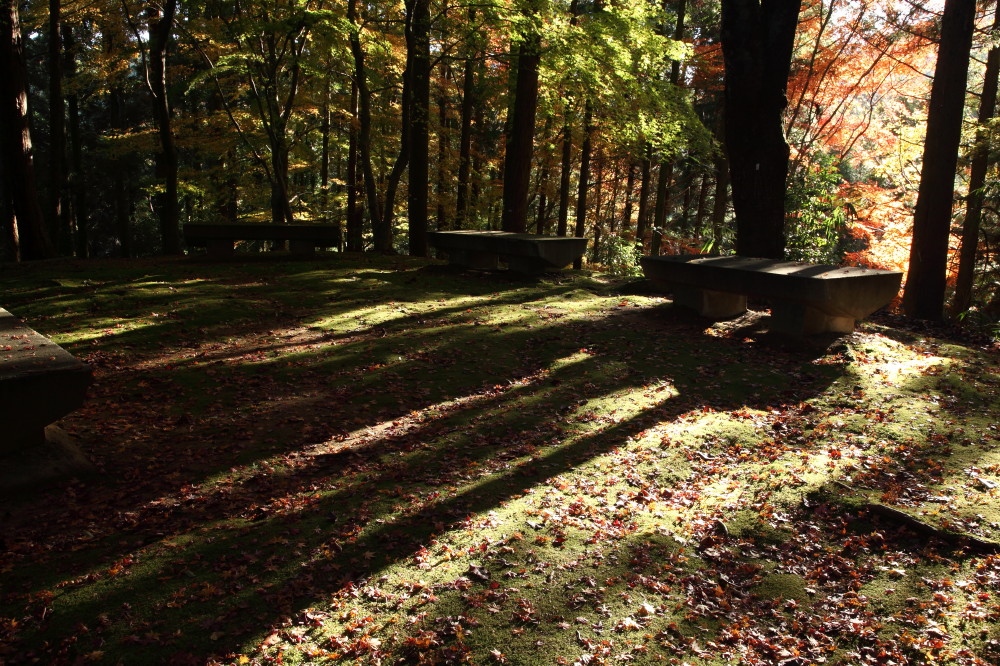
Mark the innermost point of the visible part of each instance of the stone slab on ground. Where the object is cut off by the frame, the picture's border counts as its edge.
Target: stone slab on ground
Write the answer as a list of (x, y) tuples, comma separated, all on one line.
[(40, 382), (806, 298)]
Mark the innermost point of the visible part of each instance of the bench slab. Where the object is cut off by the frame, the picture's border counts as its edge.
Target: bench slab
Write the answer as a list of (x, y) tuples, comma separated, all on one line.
[(40, 382), (303, 238), (523, 253), (806, 298)]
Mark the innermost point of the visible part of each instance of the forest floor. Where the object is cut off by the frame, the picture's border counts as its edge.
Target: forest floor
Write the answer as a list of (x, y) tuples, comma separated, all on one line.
[(384, 460)]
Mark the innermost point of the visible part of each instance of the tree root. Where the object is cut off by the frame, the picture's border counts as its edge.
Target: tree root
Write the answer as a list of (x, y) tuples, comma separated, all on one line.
[(956, 539)]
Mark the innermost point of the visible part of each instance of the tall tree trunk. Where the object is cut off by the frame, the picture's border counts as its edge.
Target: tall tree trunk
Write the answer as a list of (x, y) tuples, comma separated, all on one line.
[(629, 190), (420, 99), (584, 184), (354, 212), (564, 176), (122, 204), (383, 237), (699, 214), (757, 41), (80, 218), (541, 217), (517, 160), (60, 220), (977, 180), (442, 157), (642, 216), (28, 230), (923, 296), (465, 133), (663, 181), (365, 129), (160, 30), (324, 160)]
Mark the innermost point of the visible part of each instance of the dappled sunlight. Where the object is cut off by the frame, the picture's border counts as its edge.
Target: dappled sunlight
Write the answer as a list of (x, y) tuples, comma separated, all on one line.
[(538, 469)]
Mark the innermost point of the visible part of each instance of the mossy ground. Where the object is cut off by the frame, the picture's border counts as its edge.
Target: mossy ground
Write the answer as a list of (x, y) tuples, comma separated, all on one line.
[(383, 460)]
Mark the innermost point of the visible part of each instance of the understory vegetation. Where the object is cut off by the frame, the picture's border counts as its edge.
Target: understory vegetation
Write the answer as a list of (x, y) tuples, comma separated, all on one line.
[(368, 459)]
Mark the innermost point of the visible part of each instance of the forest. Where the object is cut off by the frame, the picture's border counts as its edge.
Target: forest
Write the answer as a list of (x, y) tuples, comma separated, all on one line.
[(589, 118)]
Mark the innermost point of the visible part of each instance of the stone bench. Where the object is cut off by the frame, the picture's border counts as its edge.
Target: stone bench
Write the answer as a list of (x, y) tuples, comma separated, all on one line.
[(303, 238), (522, 253), (805, 298), (40, 382)]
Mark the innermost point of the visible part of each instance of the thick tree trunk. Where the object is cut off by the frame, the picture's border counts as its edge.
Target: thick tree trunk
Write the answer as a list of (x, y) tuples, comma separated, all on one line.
[(420, 99), (757, 41), (923, 296), (166, 160), (27, 231), (977, 180), (584, 184), (517, 161)]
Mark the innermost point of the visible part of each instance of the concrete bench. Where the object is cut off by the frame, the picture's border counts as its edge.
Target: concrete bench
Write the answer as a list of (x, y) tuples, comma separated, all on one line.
[(805, 298), (40, 382), (522, 253), (220, 238)]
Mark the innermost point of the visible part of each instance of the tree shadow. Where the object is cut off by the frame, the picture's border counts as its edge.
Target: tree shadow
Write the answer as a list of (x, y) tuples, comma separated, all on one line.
[(314, 470)]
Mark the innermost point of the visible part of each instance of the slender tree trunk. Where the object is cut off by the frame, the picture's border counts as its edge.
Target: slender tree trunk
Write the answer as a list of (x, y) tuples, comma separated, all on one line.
[(27, 232), (699, 214), (629, 190), (663, 180), (977, 180), (923, 296), (365, 129), (354, 212), (324, 160), (384, 238), (517, 161), (166, 160), (757, 41), (420, 81), (80, 217), (442, 157), (584, 184), (465, 134), (58, 187), (642, 217), (564, 176)]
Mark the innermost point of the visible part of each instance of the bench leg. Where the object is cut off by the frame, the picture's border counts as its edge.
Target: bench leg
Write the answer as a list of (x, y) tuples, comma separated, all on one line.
[(220, 249), (711, 304), (487, 261), (302, 248), (799, 319)]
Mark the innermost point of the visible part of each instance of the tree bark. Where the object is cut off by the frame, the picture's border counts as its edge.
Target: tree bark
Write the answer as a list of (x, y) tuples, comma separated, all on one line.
[(923, 296), (629, 190), (465, 134), (757, 41), (28, 230), (564, 177), (663, 181), (58, 186), (354, 212), (642, 215), (80, 213), (977, 180), (365, 128), (420, 82), (160, 30), (442, 156), (584, 184), (517, 160)]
